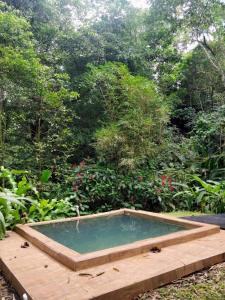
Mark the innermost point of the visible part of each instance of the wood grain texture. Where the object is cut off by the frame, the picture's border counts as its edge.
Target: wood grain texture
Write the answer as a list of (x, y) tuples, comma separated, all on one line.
[(42, 277)]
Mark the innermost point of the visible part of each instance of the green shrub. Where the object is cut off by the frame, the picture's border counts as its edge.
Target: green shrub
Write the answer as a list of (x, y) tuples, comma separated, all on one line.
[(20, 201), (211, 195), (131, 115), (45, 210), (97, 188), (208, 197)]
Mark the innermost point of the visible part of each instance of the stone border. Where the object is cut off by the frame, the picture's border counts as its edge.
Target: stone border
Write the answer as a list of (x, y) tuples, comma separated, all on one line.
[(76, 261)]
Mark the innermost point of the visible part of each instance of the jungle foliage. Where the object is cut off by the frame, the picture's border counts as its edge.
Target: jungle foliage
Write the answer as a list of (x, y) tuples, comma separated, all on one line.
[(107, 105)]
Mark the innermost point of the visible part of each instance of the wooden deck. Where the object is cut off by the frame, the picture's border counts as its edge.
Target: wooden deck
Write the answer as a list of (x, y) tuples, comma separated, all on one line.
[(42, 278)]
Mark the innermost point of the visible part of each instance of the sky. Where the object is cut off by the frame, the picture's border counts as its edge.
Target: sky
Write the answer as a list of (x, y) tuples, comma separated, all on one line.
[(139, 3)]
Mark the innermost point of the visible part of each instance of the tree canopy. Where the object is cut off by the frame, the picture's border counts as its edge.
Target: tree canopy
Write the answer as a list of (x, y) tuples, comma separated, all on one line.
[(107, 99)]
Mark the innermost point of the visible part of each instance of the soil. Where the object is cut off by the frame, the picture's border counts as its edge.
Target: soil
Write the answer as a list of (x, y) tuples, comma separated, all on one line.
[(7, 292)]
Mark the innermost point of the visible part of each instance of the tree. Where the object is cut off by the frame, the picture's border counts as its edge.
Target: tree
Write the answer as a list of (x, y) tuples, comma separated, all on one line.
[(18, 61), (32, 94), (115, 35), (180, 24), (131, 115)]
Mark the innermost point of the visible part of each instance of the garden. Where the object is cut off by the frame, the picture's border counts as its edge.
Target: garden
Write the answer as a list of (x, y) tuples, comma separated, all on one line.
[(108, 105)]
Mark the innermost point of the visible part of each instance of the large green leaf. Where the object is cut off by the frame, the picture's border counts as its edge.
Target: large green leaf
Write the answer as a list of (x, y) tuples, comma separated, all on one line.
[(45, 176)]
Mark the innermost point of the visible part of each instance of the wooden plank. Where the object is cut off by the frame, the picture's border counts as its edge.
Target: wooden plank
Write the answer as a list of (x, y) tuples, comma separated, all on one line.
[(122, 279)]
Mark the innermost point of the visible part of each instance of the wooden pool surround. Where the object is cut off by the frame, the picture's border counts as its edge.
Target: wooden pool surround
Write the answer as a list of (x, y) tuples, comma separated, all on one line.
[(76, 261)]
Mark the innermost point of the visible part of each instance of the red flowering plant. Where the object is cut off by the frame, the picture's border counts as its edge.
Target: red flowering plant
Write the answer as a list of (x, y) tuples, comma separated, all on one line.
[(78, 169), (101, 188), (164, 189), (166, 182)]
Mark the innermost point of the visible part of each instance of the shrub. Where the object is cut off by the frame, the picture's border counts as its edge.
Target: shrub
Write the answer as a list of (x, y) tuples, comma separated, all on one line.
[(208, 197), (20, 201), (96, 188)]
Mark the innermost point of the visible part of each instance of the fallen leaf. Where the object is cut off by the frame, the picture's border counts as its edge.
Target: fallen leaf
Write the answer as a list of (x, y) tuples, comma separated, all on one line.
[(85, 274), (25, 245), (99, 274), (115, 269), (155, 250)]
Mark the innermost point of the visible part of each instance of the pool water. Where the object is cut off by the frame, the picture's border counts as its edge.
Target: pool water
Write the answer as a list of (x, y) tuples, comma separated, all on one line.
[(90, 235)]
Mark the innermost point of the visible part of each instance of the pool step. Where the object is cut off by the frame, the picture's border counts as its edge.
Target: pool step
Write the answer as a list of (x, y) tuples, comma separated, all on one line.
[(33, 272)]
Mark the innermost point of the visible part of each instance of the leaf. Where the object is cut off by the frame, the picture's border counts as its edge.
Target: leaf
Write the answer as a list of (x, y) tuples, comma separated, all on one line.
[(2, 226), (45, 176), (115, 269), (206, 186), (13, 198), (200, 196), (23, 187), (99, 274)]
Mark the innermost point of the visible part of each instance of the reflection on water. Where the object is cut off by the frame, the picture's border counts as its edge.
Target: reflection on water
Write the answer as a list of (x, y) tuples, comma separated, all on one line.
[(129, 227)]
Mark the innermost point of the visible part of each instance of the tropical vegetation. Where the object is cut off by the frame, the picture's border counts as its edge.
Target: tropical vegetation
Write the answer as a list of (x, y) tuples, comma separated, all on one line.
[(107, 105)]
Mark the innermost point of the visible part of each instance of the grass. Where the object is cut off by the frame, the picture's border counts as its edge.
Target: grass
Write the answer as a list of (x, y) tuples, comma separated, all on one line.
[(206, 285), (184, 214)]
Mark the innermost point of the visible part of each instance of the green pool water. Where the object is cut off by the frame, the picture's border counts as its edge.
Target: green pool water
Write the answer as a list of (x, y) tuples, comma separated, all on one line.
[(106, 232)]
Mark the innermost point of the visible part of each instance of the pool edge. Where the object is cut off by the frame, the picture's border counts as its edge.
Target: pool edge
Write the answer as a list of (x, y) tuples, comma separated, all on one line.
[(76, 261)]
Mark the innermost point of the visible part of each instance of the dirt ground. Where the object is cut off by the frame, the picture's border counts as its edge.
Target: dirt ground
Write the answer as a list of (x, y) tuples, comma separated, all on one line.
[(6, 291)]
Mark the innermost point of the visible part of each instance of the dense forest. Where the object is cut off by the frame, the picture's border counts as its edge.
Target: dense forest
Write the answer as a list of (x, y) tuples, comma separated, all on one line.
[(105, 105)]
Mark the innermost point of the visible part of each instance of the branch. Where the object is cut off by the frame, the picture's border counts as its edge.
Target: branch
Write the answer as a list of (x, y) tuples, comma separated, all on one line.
[(206, 45), (211, 60)]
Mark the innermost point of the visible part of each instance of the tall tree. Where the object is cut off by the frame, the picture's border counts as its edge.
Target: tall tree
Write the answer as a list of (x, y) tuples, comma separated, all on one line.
[(176, 25), (32, 94)]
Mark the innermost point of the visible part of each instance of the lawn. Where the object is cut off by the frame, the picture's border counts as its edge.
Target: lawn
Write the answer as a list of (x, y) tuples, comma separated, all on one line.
[(179, 214)]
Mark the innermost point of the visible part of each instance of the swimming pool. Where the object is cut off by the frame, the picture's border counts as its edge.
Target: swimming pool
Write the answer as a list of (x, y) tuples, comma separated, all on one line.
[(95, 234), (87, 241)]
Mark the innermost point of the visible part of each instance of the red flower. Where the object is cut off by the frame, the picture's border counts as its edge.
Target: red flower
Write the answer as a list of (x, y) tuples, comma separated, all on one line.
[(163, 180), (82, 163), (170, 184), (172, 188), (75, 188), (140, 178)]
